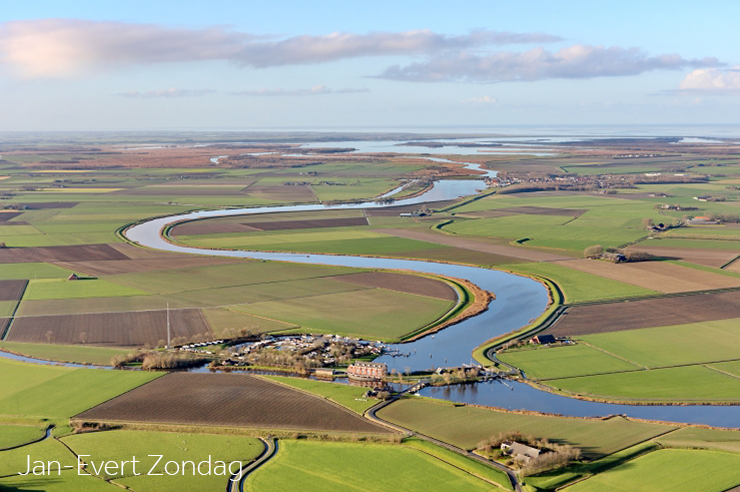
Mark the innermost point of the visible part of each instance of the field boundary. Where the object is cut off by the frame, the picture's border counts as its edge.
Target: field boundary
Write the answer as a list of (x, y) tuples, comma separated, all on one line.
[(6, 332)]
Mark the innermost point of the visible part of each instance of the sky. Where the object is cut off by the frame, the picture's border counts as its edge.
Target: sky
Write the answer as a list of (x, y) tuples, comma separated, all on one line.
[(283, 64)]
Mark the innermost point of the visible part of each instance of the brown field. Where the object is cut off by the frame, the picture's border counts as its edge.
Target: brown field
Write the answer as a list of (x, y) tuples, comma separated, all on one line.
[(655, 275), (513, 252), (12, 290), (600, 318), (4, 322), (233, 400), (116, 267), (6, 216), (410, 284), (51, 254), (709, 257), (138, 253), (125, 329)]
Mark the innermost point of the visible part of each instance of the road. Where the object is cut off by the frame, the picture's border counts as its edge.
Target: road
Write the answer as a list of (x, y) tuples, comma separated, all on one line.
[(269, 451)]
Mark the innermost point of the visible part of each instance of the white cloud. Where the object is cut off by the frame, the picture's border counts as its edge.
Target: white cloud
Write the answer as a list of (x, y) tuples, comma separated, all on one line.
[(483, 100), (167, 93), (573, 62), (712, 81), (314, 91), (65, 47)]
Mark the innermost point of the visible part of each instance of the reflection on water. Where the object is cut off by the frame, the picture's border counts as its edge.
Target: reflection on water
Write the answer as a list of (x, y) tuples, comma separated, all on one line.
[(512, 395)]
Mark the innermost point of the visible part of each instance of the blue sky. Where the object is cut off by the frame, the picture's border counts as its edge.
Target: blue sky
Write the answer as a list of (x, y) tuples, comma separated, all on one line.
[(83, 65)]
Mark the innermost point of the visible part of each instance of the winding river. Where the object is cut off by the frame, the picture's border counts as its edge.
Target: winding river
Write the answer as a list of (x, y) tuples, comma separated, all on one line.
[(519, 300)]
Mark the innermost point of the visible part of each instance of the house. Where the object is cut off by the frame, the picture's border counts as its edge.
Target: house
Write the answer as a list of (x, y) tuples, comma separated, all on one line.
[(324, 372), (520, 452), (73, 277), (543, 339), (367, 370)]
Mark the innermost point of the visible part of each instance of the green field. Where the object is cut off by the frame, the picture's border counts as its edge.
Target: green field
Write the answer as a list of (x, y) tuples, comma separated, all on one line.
[(564, 362), (693, 343), (471, 466), (39, 290), (333, 467), (16, 460), (64, 353), (16, 435), (676, 470), (374, 313), (695, 437), (579, 286), (121, 445), (32, 271), (33, 390), (348, 396), (688, 383), (466, 426)]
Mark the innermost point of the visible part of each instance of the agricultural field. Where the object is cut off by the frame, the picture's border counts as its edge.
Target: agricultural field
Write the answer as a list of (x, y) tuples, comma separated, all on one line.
[(696, 383), (338, 467), (232, 400), (466, 426), (564, 362), (669, 469), (121, 445), (30, 390), (17, 435), (65, 353), (649, 313)]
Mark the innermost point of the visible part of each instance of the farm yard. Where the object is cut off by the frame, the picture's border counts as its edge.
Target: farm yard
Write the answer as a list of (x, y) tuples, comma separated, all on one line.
[(228, 400)]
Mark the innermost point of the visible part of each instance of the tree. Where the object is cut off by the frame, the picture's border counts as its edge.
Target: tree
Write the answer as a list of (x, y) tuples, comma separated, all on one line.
[(83, 337), (49, 336), (647, 223), (593, 251)]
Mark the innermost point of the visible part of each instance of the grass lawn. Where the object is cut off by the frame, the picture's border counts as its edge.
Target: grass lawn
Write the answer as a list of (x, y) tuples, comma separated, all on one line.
[(346, 395), (334, 467), (579, 286), (7, 307), (373, 313), (688, 383), (33, 390), (39, 290), (677, 470), (65, 353), (673, 345), (563, 362), (32, 271), (15, 435), (466, 426)]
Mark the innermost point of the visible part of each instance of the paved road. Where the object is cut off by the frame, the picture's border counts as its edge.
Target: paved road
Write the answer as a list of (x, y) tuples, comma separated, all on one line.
[(371, 414), (269, 451)]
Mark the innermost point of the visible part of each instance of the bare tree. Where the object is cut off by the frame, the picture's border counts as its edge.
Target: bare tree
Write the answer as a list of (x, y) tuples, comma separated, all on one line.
[(593, 251), (49, 336), (83, 337)]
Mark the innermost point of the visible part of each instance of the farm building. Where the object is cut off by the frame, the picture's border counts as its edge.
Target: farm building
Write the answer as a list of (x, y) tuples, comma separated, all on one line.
[(367, 370), (703, 221), (520, 452), (543, 339)]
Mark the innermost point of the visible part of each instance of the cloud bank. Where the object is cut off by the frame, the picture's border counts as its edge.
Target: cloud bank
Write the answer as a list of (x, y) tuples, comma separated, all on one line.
[(64, 47), (314, 91), (574, 62), (712, 81)]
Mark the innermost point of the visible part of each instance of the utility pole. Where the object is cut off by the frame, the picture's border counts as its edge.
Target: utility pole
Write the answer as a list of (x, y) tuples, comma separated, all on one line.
[(168, 325)]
